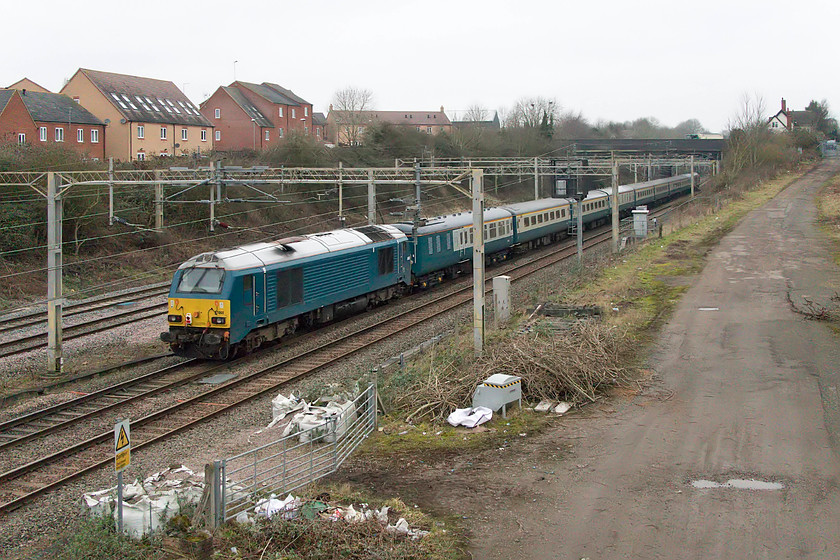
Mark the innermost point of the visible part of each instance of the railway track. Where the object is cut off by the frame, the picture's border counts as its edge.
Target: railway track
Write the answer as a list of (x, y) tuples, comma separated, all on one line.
[(25, 482)]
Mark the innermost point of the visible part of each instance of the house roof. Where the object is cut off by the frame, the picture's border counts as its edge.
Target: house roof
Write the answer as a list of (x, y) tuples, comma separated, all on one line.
[(267, 92), (56, 108), (5, 96), (319, 119), (146, 99), (26, 83), (803, 118), (248, 107), (413, 118), (288, 93)]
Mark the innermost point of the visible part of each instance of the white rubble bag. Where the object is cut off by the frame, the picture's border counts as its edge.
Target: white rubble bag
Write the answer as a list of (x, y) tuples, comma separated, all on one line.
[(470, 417), (313, 422)]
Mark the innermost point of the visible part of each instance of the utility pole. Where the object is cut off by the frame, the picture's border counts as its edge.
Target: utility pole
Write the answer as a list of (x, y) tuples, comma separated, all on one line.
[(580, 196), (158, 202), (371, 198), (55, 285), (478, 260), (215, 194), (110, 191), (692, 175), (340, 194), (536, 178), (614, 197), (417, 185)]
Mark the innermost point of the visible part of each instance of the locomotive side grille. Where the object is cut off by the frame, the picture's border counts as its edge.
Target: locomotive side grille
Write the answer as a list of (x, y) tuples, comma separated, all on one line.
[(375, 233)]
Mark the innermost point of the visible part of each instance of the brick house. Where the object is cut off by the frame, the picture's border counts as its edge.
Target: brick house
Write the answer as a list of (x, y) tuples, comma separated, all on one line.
[(16, 124), (61, 120), (319, 126), (144, 116), (346, 127), (788, 120), (256, 116), (28, 85)]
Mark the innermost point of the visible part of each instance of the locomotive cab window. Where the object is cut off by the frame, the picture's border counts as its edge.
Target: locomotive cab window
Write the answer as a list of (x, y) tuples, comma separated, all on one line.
[(201, 281), (248, 289), (290, 287), (386, 260)]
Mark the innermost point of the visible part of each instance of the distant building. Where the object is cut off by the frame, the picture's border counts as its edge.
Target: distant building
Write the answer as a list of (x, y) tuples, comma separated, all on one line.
[(319, 126), (256, 116), (789, 120), (492, 124), (348, 127), (35, 117), (16, 124), (28, 85), (144, 116)]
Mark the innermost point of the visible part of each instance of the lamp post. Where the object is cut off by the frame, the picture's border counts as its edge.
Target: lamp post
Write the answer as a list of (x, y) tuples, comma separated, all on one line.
[(234, 70)]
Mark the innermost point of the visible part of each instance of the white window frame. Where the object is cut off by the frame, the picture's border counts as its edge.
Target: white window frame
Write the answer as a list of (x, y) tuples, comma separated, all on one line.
[(21, 138), (204, 135), (293, 112), (163, 133), (94, 136), (280, 132), (305, 111), (267, 135), (42, 134), (141, 156), (59, 134), (184, 134), (279, 111), (217, 113), (141, 131), (80, 135), (218, 135)]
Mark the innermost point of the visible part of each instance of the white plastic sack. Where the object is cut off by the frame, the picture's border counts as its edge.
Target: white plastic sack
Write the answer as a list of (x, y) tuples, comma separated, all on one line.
[(470, 417), (283, 406), (288, 507)]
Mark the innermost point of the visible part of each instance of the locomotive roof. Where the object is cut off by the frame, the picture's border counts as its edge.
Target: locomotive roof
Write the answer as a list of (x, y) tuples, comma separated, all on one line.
[(283, 250), (452, 221)]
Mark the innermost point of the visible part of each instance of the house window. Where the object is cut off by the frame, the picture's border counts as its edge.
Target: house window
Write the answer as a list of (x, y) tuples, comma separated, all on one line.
[(141, 156), (141, 131), (76, 99), (279, 133), (42, 133), (163, 133), (267, 135), (21, 138), (429, 130), (293, 112), (59, 135), (94, 136), (218, 113), (203, 135), (418, 128), (218, 135), (318, 132), (279, 111), (306, 111), (183, 134), (80, 135)]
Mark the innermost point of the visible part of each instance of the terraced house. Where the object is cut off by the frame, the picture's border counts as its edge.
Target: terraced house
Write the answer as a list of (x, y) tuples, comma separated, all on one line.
[(256, 116), (144, 117)]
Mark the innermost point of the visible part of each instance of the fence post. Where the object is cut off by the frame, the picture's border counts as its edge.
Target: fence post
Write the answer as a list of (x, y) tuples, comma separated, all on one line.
[(211, 480), (334, 422)]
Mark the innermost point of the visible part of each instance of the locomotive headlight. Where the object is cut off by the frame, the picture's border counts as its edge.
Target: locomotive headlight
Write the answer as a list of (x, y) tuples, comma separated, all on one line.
[(217, 320), (174, 318)]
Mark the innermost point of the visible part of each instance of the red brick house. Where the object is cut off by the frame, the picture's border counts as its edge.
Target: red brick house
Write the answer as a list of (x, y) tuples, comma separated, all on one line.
[(61, 120), (16, 124), (319, 126), (256, 116)]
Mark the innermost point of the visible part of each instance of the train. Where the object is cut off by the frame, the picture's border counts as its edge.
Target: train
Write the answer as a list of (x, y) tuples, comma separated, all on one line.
[(232, 301)]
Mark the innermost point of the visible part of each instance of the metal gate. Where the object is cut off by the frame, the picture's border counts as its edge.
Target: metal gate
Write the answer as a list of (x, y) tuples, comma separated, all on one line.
[(290, 462)]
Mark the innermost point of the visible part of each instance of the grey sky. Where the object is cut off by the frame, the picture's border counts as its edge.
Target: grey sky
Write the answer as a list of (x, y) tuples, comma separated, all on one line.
[(615, 60)]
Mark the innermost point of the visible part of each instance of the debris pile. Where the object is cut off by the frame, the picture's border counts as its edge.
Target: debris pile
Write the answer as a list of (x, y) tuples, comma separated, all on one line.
[(292, 507), (313, 420), (148, 504)]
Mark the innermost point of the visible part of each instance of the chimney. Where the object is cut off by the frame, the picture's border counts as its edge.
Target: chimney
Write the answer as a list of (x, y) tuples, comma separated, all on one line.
[(784, 105), (331, 108), (441, 108)]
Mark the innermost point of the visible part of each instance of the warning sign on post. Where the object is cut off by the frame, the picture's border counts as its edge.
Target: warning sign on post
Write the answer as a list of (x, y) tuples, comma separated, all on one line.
[(122, 445)]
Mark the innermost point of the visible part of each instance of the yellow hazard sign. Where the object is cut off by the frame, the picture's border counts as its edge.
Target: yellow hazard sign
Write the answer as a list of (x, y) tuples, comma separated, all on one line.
[(122, 445)]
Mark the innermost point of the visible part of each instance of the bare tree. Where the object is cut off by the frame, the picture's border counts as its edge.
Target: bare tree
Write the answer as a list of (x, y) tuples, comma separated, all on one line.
[(476, 113), (348, 109), (748, 134), (533, 112)]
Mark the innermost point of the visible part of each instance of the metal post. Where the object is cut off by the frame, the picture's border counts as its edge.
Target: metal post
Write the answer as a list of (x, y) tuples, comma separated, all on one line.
[(478, 260), (649, 166), (120, 502), (635, 172), (580, 231), (158, 202), (417, 185), (55, 286), (371, 198), (692, 175), (615, 220), (110, 191), (536, 178), (340, 194), (215, 194)]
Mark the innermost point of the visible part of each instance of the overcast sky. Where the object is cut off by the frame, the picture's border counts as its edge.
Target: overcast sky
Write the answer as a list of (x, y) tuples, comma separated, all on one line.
[(609, 59)]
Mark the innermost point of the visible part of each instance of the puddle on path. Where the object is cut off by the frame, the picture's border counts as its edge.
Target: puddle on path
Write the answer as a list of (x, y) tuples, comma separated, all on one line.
[(738, 483)]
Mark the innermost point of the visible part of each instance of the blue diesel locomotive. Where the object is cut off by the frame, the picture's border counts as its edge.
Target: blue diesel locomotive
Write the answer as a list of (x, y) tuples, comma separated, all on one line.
[(234, 300)]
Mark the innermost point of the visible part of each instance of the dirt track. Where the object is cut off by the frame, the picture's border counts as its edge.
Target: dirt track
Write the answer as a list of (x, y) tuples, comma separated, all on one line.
[(745, 387)]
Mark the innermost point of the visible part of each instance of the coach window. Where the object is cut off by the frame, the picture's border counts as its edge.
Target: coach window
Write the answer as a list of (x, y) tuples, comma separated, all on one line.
[(290, 287), (386, 260)]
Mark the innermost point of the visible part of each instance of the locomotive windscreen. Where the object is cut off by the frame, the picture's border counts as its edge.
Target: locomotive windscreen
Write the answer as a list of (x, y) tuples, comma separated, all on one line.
[(201, 281)]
